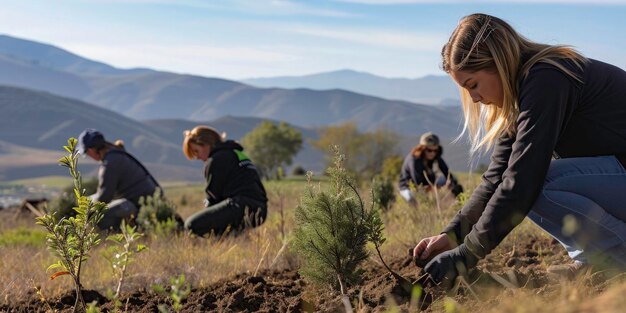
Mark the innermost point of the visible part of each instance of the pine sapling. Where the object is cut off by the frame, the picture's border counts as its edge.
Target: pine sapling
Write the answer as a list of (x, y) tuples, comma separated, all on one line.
[(332, 230), (71, 239)]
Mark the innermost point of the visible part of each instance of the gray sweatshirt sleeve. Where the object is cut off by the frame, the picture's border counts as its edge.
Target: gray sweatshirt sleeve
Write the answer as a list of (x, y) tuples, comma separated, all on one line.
[(108, 177), (545, 104)]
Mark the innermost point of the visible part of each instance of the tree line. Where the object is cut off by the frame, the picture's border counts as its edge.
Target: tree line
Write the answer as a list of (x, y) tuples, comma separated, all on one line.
[(272, 146)]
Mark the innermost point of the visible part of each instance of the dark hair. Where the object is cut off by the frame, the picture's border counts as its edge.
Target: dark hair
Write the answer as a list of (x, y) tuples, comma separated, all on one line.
[(419, 149)]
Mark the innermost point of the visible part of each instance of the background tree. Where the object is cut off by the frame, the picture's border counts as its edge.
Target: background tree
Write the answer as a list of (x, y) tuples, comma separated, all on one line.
[(270, 146), (375, 148), (365, 152), (392, 167)]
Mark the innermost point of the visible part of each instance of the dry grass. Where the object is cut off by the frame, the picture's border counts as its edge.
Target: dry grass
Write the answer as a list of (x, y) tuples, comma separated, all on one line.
[(204, 261)]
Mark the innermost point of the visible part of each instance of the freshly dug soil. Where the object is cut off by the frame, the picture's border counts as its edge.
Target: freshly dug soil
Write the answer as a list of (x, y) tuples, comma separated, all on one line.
[(286, 291)]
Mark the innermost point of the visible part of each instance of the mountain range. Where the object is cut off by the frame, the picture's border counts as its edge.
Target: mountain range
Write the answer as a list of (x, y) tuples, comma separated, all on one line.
[(50, 94), (34, 125), (431, 89)]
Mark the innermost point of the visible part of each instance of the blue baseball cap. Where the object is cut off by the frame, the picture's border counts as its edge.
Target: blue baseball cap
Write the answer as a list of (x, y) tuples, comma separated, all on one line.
[(89, 138)]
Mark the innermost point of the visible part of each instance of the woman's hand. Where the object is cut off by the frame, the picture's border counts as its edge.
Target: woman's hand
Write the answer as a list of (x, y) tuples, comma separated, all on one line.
[(430, 247)]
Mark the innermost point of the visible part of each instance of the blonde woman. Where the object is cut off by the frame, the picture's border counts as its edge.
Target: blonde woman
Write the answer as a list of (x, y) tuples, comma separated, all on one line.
[(235, 197), (533, 102)]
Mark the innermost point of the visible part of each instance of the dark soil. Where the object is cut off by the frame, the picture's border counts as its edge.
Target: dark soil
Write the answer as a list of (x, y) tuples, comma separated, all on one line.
[(286, 291)]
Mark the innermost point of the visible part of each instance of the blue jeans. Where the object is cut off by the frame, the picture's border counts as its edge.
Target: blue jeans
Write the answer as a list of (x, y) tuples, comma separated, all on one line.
[(583, 206)]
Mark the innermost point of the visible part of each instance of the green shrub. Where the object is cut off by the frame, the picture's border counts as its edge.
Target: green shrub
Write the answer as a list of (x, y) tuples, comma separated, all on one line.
[(63, 206), (392, 167), (298, 170), (157, 215), (383, 192)]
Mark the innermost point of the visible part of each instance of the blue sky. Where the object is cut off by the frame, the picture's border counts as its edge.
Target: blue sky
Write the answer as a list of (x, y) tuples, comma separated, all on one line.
[(258, 38)]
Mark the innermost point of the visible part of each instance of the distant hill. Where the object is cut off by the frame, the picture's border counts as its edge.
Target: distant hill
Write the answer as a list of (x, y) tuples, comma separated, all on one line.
[(43, 121), (430, 89), (34, 126), (146, 94), (51, 57), (150, 109)]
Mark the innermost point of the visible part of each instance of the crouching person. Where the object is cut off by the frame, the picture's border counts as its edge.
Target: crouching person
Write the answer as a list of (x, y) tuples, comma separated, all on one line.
[(122, 179), (425, 167), (235, 197)]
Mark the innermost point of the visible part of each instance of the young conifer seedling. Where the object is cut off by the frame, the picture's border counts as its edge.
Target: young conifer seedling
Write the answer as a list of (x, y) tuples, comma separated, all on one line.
[(332, 230), (71, 239)]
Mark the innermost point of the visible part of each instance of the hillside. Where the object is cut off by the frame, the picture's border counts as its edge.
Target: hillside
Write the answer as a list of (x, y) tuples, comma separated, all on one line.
[(147, 94), (49, 56), (433, 89), (43, 121)]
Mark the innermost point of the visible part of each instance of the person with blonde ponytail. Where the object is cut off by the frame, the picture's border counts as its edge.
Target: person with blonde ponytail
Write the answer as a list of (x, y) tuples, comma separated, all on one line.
[(235, 196), (556, 121), (122, 179)]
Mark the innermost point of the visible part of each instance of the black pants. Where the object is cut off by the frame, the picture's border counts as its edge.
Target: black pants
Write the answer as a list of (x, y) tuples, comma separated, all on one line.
[(230, 214)]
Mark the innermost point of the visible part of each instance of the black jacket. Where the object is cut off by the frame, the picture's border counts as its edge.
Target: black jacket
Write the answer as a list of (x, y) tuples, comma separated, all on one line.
[(413, 171), (230, 174), (558, 116)]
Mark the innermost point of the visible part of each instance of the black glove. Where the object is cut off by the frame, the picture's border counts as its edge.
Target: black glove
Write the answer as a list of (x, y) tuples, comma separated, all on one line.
[(445, 267)]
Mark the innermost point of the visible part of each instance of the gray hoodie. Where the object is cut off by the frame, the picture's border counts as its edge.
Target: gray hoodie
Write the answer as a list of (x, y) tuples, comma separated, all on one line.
[(121, 176)]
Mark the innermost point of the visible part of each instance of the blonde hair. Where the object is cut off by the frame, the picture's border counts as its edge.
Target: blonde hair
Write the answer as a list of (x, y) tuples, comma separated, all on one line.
[(484, 42), (201, 135)]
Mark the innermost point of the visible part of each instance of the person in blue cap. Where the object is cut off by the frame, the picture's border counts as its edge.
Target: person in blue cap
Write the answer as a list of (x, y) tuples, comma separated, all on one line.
[(122, 179)]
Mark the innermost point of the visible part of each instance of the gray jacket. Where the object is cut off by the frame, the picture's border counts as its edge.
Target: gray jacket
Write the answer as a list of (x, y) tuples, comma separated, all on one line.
[(121, 176)]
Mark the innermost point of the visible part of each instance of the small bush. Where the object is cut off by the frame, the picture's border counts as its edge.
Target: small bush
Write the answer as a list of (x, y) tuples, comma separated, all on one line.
[(298, 170), (384, 192), (157, 215), (63, 206), (392, 167)]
